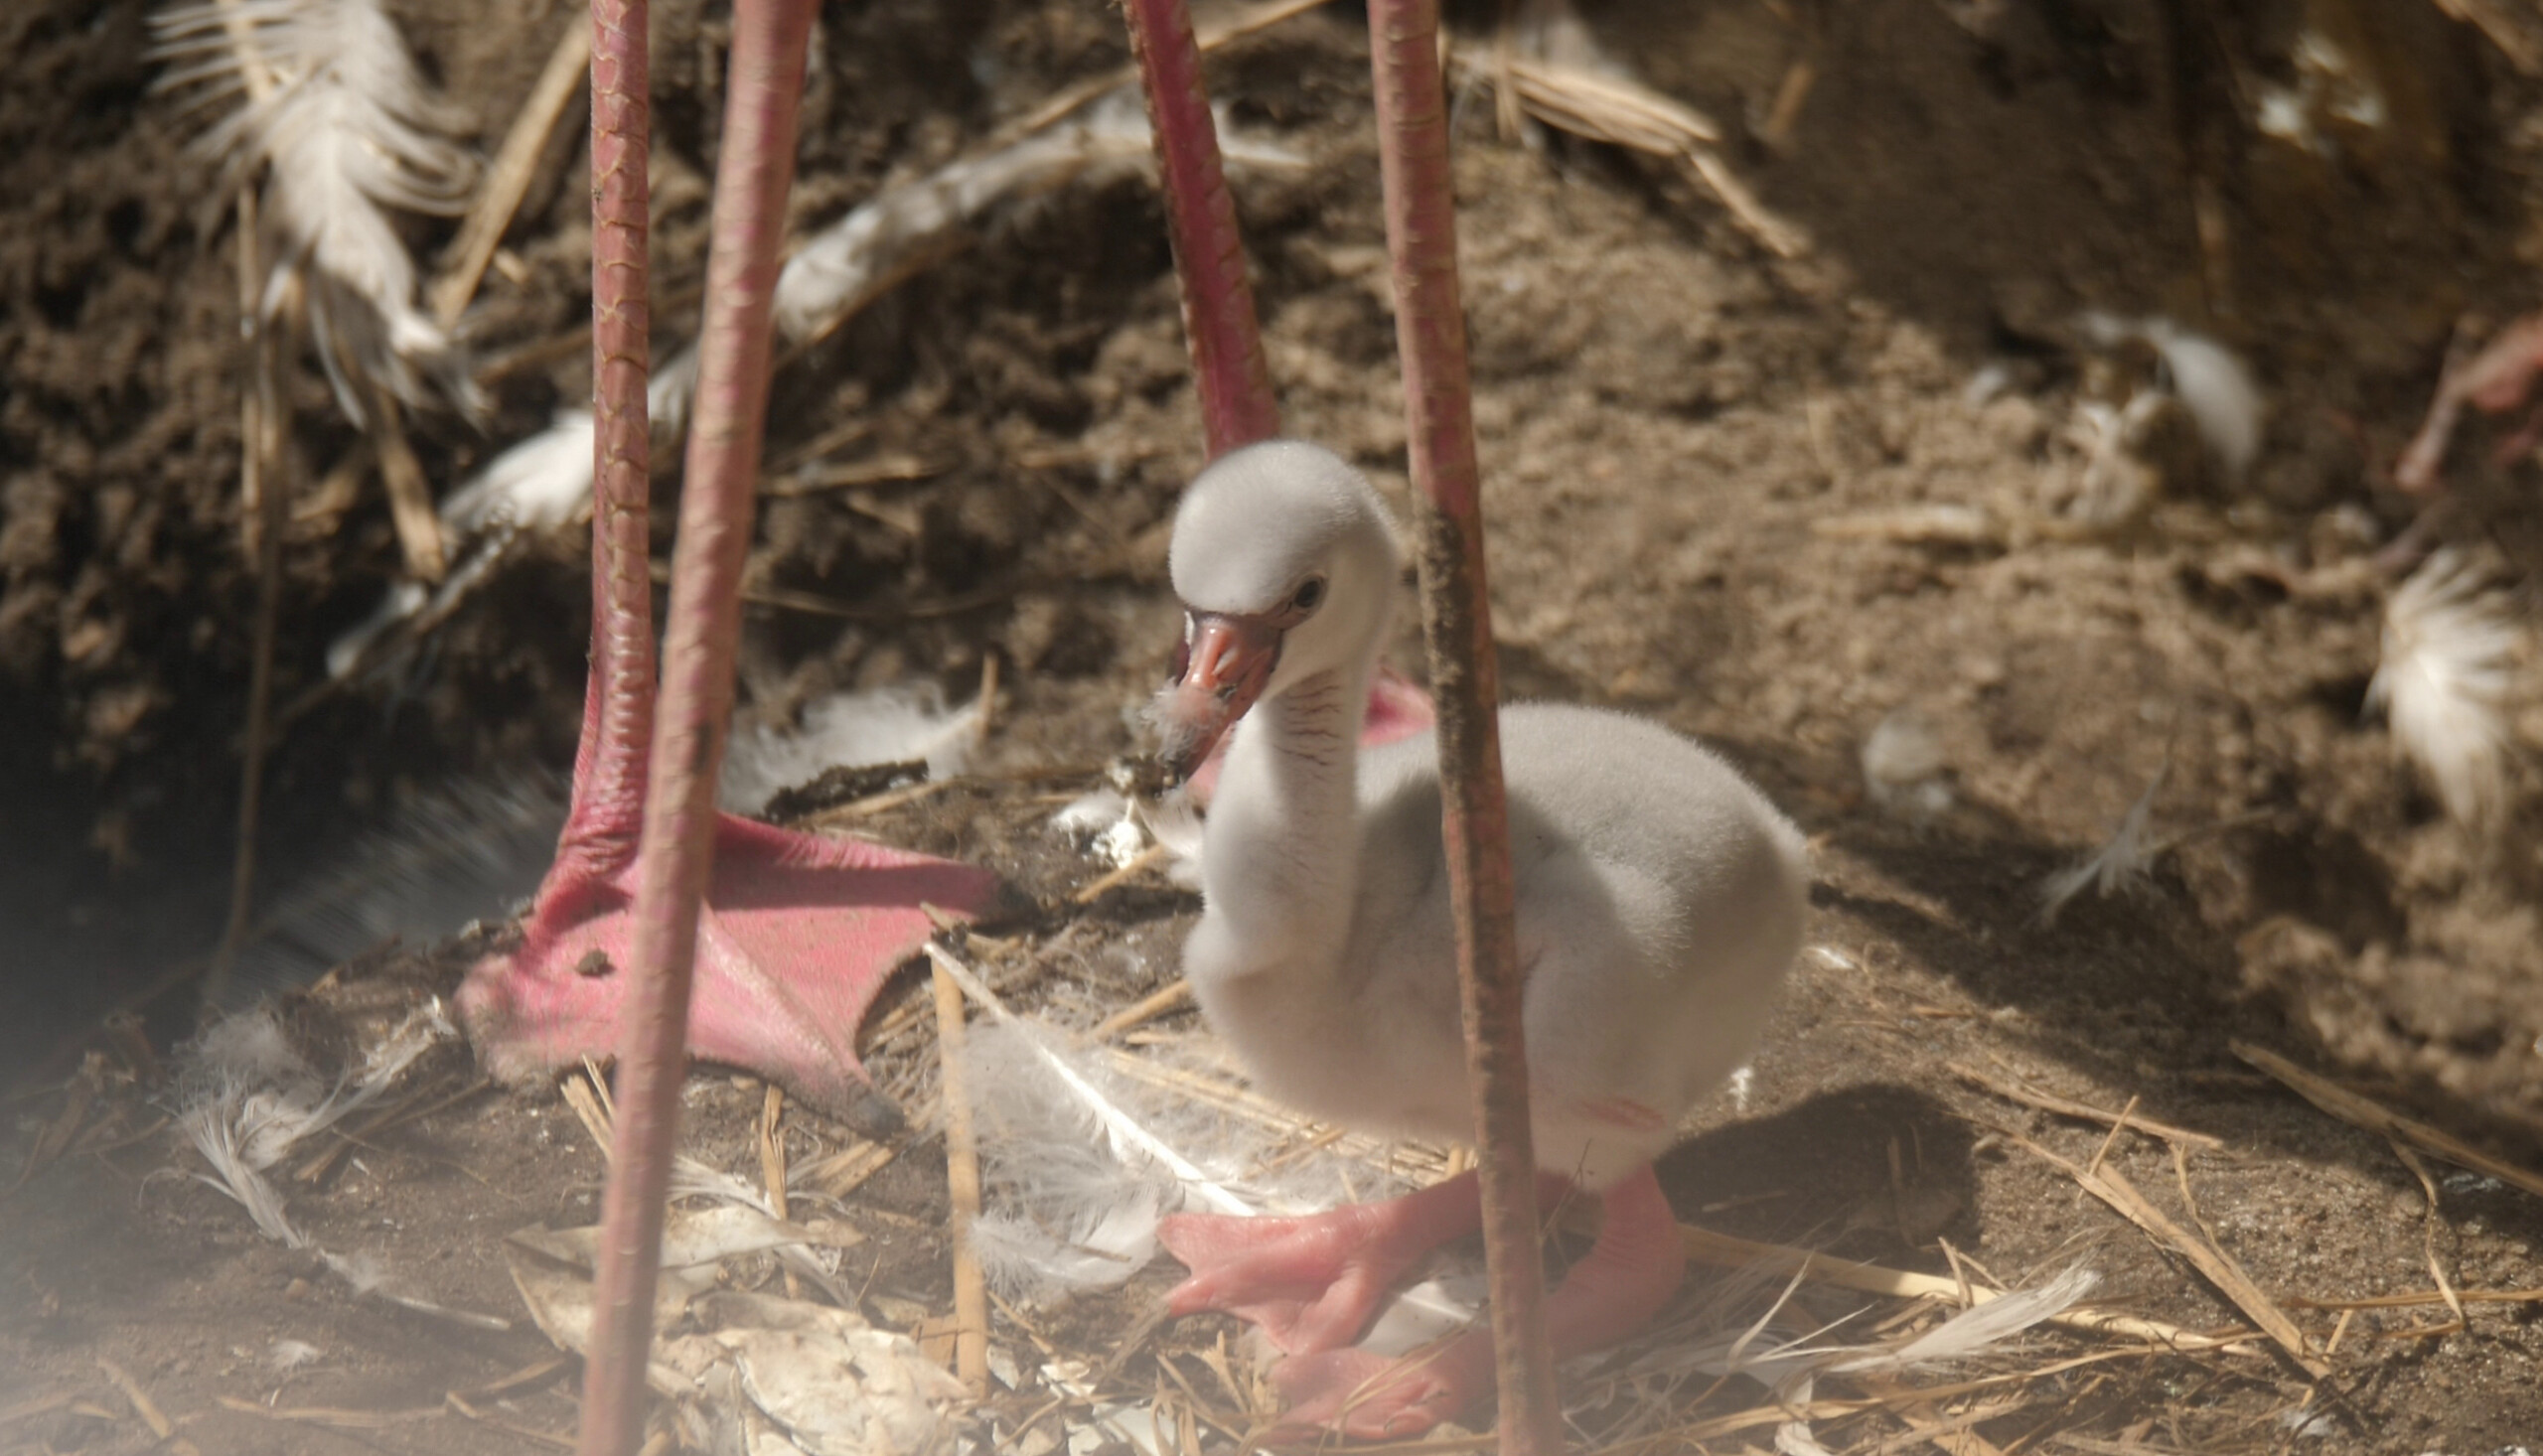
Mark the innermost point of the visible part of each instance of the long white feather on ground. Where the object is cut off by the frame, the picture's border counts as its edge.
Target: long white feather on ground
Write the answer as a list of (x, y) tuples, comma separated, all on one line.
[(345, 128), (2452, 646), (546, 481)]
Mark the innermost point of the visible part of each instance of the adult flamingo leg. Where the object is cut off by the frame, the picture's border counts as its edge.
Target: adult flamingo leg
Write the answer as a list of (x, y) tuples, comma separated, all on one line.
[(798, 932)]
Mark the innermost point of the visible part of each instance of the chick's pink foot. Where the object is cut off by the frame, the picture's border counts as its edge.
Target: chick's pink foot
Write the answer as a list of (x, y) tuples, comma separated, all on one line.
[(1370, 1398), (798, 935), (1630, 1272), (1313, 1283)]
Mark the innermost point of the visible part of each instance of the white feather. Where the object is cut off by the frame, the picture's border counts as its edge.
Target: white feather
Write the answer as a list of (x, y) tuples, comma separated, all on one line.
[(1905, 768), (2122, 864), (344, 126), (889, 725), (2210, 379), (1980, 1328), (2450, 657)]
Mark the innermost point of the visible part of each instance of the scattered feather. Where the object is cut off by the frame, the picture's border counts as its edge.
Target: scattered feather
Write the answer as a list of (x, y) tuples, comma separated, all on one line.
[(2115, 483), (890, 725), (1979, 1329), (1906, 769), (285, 1355), (247, 1098), (2123, 864), (1089, 816), (1080, 1163), (2450, 655), (344, 128), (2211, 381), (221, 1129)]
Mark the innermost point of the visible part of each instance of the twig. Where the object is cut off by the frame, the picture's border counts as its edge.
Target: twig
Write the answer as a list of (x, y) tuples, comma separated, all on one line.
[(1139, 864), (1173, 997), (2030, 1097), (148, 1409), (2219, 1267), (962, 1187), (2493, 21), (987, 700), (265, 483), (507, 180), (2350, 1108), (410, 497), (2428, 1228), (2416, 1297), (772, 1166), (1725, 1251)]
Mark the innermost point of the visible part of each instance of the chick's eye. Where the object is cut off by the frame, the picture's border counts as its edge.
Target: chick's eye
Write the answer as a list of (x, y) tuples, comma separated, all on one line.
[(1310, 594)]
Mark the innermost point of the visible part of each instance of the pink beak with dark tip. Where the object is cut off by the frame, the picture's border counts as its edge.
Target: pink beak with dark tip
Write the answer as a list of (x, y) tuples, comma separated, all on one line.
[(1222, 666)]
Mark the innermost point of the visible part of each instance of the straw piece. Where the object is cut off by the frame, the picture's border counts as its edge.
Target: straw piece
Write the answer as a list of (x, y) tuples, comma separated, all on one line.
[(1173, 997), (509, 178), (410, 495), (1722, 1250), (2428, 1228), (2219, 1267), (963, 1186), (333, 1416), (2350, 1108), (1139, 864), (2013, 1091), (148, 1409), (2493, 20)]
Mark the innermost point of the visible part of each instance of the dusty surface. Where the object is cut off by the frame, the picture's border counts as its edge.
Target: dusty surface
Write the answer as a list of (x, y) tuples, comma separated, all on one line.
[(1672, 420)]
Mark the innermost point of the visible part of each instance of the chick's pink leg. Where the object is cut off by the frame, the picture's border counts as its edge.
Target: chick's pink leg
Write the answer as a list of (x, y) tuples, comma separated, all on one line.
[(1632, 1271), (1313, 1283)]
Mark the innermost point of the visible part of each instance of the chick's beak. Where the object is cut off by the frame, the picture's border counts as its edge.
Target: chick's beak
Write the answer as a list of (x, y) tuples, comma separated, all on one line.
[(1221, 669)]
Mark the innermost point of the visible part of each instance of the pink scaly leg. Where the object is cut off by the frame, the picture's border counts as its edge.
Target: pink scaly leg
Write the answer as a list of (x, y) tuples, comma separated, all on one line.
[(798, 932), (1313, 1283), (1631, 1272)]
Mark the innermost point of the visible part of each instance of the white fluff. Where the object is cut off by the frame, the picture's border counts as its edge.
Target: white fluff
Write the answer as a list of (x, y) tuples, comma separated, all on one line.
[(285, 1355), (2450, 658), (2120, 865), (1081, 1164), (2210, 379), (1905, 768), (345, 128), (890, 725)]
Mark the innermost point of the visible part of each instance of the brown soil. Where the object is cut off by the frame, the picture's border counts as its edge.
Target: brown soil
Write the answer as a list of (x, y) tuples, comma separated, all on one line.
[(1670, 418)]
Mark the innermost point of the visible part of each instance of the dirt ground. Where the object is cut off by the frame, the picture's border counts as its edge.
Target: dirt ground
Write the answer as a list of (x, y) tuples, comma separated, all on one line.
[(1696, 452)]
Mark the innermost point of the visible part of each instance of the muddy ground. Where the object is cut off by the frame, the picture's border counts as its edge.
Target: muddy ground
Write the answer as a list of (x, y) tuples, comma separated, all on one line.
[(1691, 445)]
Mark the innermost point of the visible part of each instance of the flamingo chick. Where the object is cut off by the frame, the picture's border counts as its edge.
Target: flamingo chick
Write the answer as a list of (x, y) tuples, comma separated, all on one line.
[(1660, 902)]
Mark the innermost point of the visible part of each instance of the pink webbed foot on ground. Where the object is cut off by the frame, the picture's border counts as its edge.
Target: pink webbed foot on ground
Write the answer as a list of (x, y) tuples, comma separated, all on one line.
[(798, 935)]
